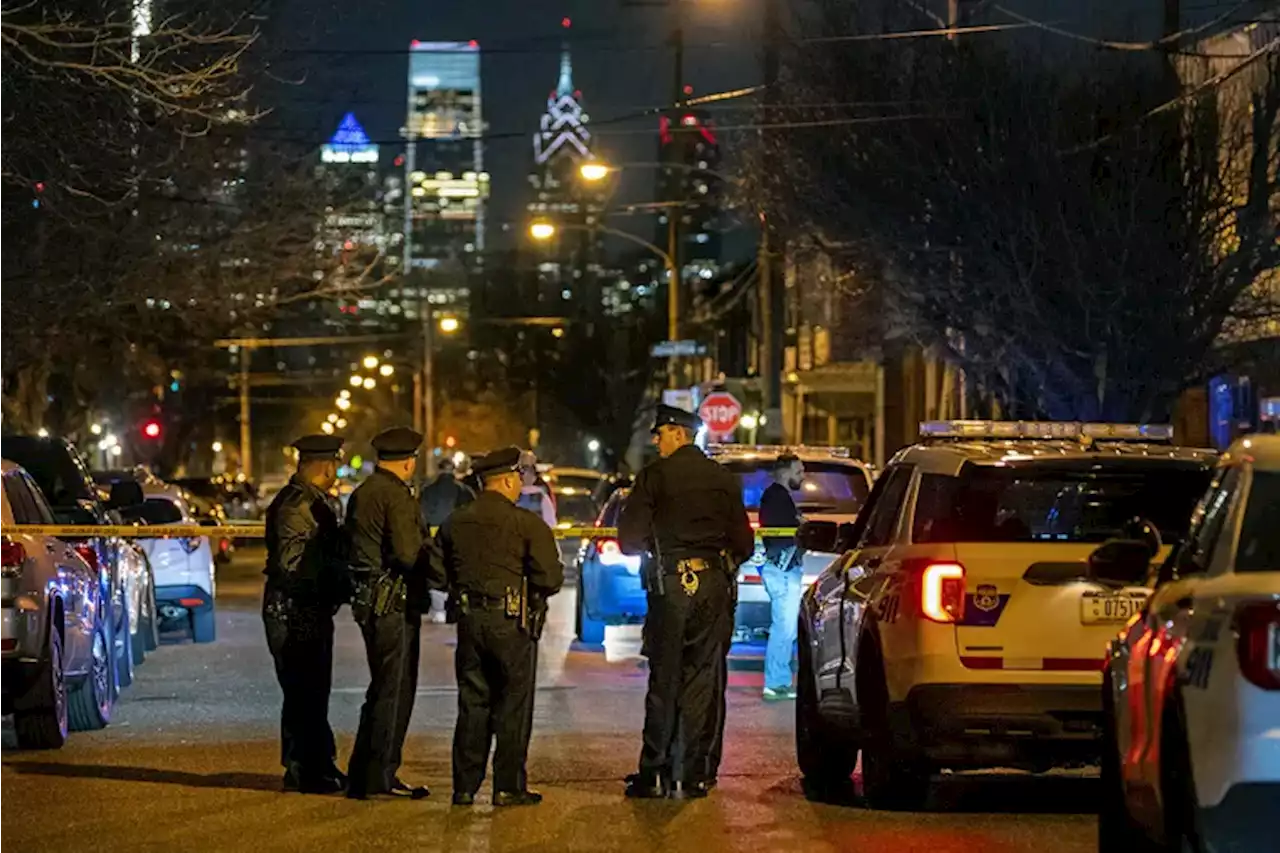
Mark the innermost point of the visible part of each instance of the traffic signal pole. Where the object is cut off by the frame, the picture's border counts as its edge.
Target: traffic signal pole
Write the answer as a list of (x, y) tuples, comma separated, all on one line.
[(673, 215)]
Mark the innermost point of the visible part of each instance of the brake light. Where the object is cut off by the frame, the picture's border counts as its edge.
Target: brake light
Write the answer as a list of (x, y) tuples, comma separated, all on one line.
[(1258, 643), (942, 592), (89, 554), (14, 555)]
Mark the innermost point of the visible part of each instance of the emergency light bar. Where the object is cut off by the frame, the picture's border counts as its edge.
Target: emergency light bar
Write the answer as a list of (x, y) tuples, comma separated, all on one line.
[(1045, 429), (778, 449)]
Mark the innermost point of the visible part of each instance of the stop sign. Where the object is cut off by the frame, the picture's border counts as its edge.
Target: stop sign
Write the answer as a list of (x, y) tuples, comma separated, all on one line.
[(720, 412)]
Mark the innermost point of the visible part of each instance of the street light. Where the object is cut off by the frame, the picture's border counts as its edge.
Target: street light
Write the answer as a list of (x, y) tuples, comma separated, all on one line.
[(593, 445), (386, 370), (340, 423), (356, 380), (370, 362), (749, 421), (42, 433), (542, 230), (333, 418), (96, 429), (217, 447), (449, 325), (594, 171), (344, 394), (343, 403), (326, 428), (370, 383)]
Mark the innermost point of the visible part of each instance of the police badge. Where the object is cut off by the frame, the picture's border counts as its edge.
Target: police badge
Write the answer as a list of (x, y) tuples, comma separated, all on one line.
[(986, 598)]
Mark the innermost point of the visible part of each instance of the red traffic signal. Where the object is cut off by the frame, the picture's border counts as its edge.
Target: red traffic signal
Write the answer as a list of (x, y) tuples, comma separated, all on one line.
[(151, 429)]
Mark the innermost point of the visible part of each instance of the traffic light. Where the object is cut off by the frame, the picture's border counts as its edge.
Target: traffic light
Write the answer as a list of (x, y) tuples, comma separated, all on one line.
[(151, 429)]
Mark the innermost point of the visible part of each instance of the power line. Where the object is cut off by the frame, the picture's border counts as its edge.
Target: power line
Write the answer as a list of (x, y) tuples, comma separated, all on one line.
[(1158, 44)]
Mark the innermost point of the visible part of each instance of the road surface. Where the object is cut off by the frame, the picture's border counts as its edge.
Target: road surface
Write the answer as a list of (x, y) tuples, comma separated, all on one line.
[(190, 762)]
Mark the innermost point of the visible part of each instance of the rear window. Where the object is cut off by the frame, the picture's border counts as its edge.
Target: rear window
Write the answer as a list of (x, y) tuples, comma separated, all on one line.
[(1259, 547), (58, 474), (613, 509), (1052, 503), (161, 511), (578, 509), (827, 487)]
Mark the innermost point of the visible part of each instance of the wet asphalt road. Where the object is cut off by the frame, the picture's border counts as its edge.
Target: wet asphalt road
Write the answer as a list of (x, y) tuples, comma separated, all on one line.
[(189, 762)]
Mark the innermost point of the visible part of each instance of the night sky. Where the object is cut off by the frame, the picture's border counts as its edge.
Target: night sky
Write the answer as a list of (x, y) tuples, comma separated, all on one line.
[(355, 57)]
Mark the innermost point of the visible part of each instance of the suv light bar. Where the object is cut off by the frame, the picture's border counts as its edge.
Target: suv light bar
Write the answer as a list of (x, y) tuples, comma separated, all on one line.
[(776, 449), (1045, 429)]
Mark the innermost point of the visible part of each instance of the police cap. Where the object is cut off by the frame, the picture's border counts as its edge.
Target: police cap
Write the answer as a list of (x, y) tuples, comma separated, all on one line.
[(497, 462), (672, 416), (397, 443), (318, 446)]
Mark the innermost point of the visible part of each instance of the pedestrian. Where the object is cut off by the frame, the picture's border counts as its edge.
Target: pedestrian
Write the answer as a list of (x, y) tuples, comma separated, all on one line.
[(304, 589), (535, 494), (686, 511), (439, 499), (501, 564), (391, 574), (781, 574)]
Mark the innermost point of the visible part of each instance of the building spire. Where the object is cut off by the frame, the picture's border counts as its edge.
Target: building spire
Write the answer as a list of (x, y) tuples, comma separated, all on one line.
[(565, 86)]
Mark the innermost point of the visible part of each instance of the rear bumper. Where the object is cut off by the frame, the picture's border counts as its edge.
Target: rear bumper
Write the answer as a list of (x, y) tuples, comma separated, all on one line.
[(999, 725), (1245, 819), (188, 596), (613, 594)]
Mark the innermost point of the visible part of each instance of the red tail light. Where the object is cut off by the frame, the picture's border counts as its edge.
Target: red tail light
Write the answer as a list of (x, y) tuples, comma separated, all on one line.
[(942, 592), (610, 552), (1258, 643), (14, 555), (89, 553)]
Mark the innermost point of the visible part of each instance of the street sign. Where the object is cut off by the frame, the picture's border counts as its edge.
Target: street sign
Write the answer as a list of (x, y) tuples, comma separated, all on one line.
[(720, 411), (671, 349), (681, 398)]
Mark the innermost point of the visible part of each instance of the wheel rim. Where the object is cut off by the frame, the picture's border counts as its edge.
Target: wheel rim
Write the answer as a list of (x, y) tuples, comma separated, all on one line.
[(101, 670), (59, 691)]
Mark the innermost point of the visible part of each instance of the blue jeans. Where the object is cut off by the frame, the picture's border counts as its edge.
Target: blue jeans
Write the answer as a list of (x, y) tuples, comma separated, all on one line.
[(784, 590)]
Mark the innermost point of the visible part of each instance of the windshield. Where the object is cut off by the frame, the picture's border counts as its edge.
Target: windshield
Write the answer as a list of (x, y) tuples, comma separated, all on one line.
[(56, 472), (578, 509), (1055, 503), (828, 487), (1259, 548), (161, 511)]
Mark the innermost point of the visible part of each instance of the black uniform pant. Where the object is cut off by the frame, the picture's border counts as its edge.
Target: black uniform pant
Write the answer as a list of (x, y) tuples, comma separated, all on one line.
[(300, 639), (722, 685), (685, 636), (391, 646), (496, 665)]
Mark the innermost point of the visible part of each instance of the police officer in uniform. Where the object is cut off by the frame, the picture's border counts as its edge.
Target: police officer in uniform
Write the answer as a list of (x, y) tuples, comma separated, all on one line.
[(686, 510), (305, 571), (391, 574), (502, 564)]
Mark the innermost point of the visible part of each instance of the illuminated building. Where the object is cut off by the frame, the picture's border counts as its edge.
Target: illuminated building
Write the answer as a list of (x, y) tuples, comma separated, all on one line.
[(687, 140)]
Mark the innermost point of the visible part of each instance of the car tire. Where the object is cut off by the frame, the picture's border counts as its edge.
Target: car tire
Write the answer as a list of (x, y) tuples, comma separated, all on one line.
[(150, 620), (1117, 830), (590, 631), (826, 756), (40, 713), (1182, 832), (89, 702), (122, 644), (204, 626), (892, 778)]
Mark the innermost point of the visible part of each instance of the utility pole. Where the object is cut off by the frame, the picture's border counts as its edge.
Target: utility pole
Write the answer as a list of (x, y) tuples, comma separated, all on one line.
[(246, 431), (424, 396), (673, 215), (769, 290)]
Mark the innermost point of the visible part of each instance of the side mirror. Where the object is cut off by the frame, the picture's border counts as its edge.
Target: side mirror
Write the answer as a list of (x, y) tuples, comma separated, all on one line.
[(1141, 529), (1120, 562), (125, 493), (819, 536)]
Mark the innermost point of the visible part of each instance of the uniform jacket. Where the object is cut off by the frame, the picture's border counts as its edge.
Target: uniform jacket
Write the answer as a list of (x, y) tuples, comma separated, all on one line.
[(306, 557), (490, 544), (445, 494), (693, 505)]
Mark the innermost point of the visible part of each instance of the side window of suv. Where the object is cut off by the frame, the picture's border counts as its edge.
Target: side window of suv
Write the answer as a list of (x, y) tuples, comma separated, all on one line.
[(887, 506), (1217, 506), (21, 502)]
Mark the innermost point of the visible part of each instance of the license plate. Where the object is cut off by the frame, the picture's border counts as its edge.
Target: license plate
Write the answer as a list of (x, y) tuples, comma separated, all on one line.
[(1103, 608)]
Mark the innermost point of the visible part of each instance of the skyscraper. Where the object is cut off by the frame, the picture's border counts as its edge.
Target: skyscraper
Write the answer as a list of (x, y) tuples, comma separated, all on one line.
[(688, 142), (444, 165)]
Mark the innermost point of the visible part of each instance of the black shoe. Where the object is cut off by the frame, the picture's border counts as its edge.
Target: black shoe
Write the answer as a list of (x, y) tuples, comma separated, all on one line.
[(642, 787), (321, 785), (461, 798), (516, 798), (689, 791), (409, 792), (291, 781)]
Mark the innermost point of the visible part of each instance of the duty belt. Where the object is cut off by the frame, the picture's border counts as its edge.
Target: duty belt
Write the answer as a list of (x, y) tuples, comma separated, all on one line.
[(689, 568)]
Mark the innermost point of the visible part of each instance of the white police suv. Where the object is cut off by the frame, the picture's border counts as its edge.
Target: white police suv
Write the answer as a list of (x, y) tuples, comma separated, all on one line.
[(960, 628)]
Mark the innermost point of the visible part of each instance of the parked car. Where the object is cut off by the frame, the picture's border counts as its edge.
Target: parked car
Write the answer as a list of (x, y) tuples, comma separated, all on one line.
[(60, 472), (1191, 688), (610, 587), (575, 507), (56, 625), (960, 629)]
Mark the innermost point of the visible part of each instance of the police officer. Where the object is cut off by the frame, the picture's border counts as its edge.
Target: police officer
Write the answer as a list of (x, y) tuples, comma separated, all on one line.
[(391, 573), (305, 568), (686, 510), (502, 564)]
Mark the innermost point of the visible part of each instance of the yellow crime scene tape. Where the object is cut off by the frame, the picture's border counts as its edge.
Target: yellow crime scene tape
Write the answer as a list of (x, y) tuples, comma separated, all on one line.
[(257, 531)]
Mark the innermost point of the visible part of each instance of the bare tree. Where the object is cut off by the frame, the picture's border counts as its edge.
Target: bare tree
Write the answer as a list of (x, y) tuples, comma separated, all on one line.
[(1076, 234)]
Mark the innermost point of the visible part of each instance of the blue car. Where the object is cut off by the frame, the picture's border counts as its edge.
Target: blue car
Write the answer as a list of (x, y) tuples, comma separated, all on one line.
[(610, 590)]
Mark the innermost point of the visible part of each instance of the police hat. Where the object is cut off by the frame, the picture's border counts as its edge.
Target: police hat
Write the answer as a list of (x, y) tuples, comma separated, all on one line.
[(497, 462), (671, 416), (318, 446), (397, 443)]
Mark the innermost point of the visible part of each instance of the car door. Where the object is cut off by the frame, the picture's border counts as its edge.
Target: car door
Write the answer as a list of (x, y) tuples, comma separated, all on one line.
[(844, 602)]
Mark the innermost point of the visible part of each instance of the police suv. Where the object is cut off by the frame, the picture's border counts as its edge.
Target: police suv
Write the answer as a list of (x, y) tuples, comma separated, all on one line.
[(960, 628), (1191, 689)]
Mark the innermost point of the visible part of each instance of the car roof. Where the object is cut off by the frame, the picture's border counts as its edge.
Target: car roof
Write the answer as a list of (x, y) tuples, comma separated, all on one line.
[(949, 456), (1261, 451), (805, 452), (556, 471)]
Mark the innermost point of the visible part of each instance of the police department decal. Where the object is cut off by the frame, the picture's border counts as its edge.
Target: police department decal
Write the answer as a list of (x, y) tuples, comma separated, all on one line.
[(986, 598)]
